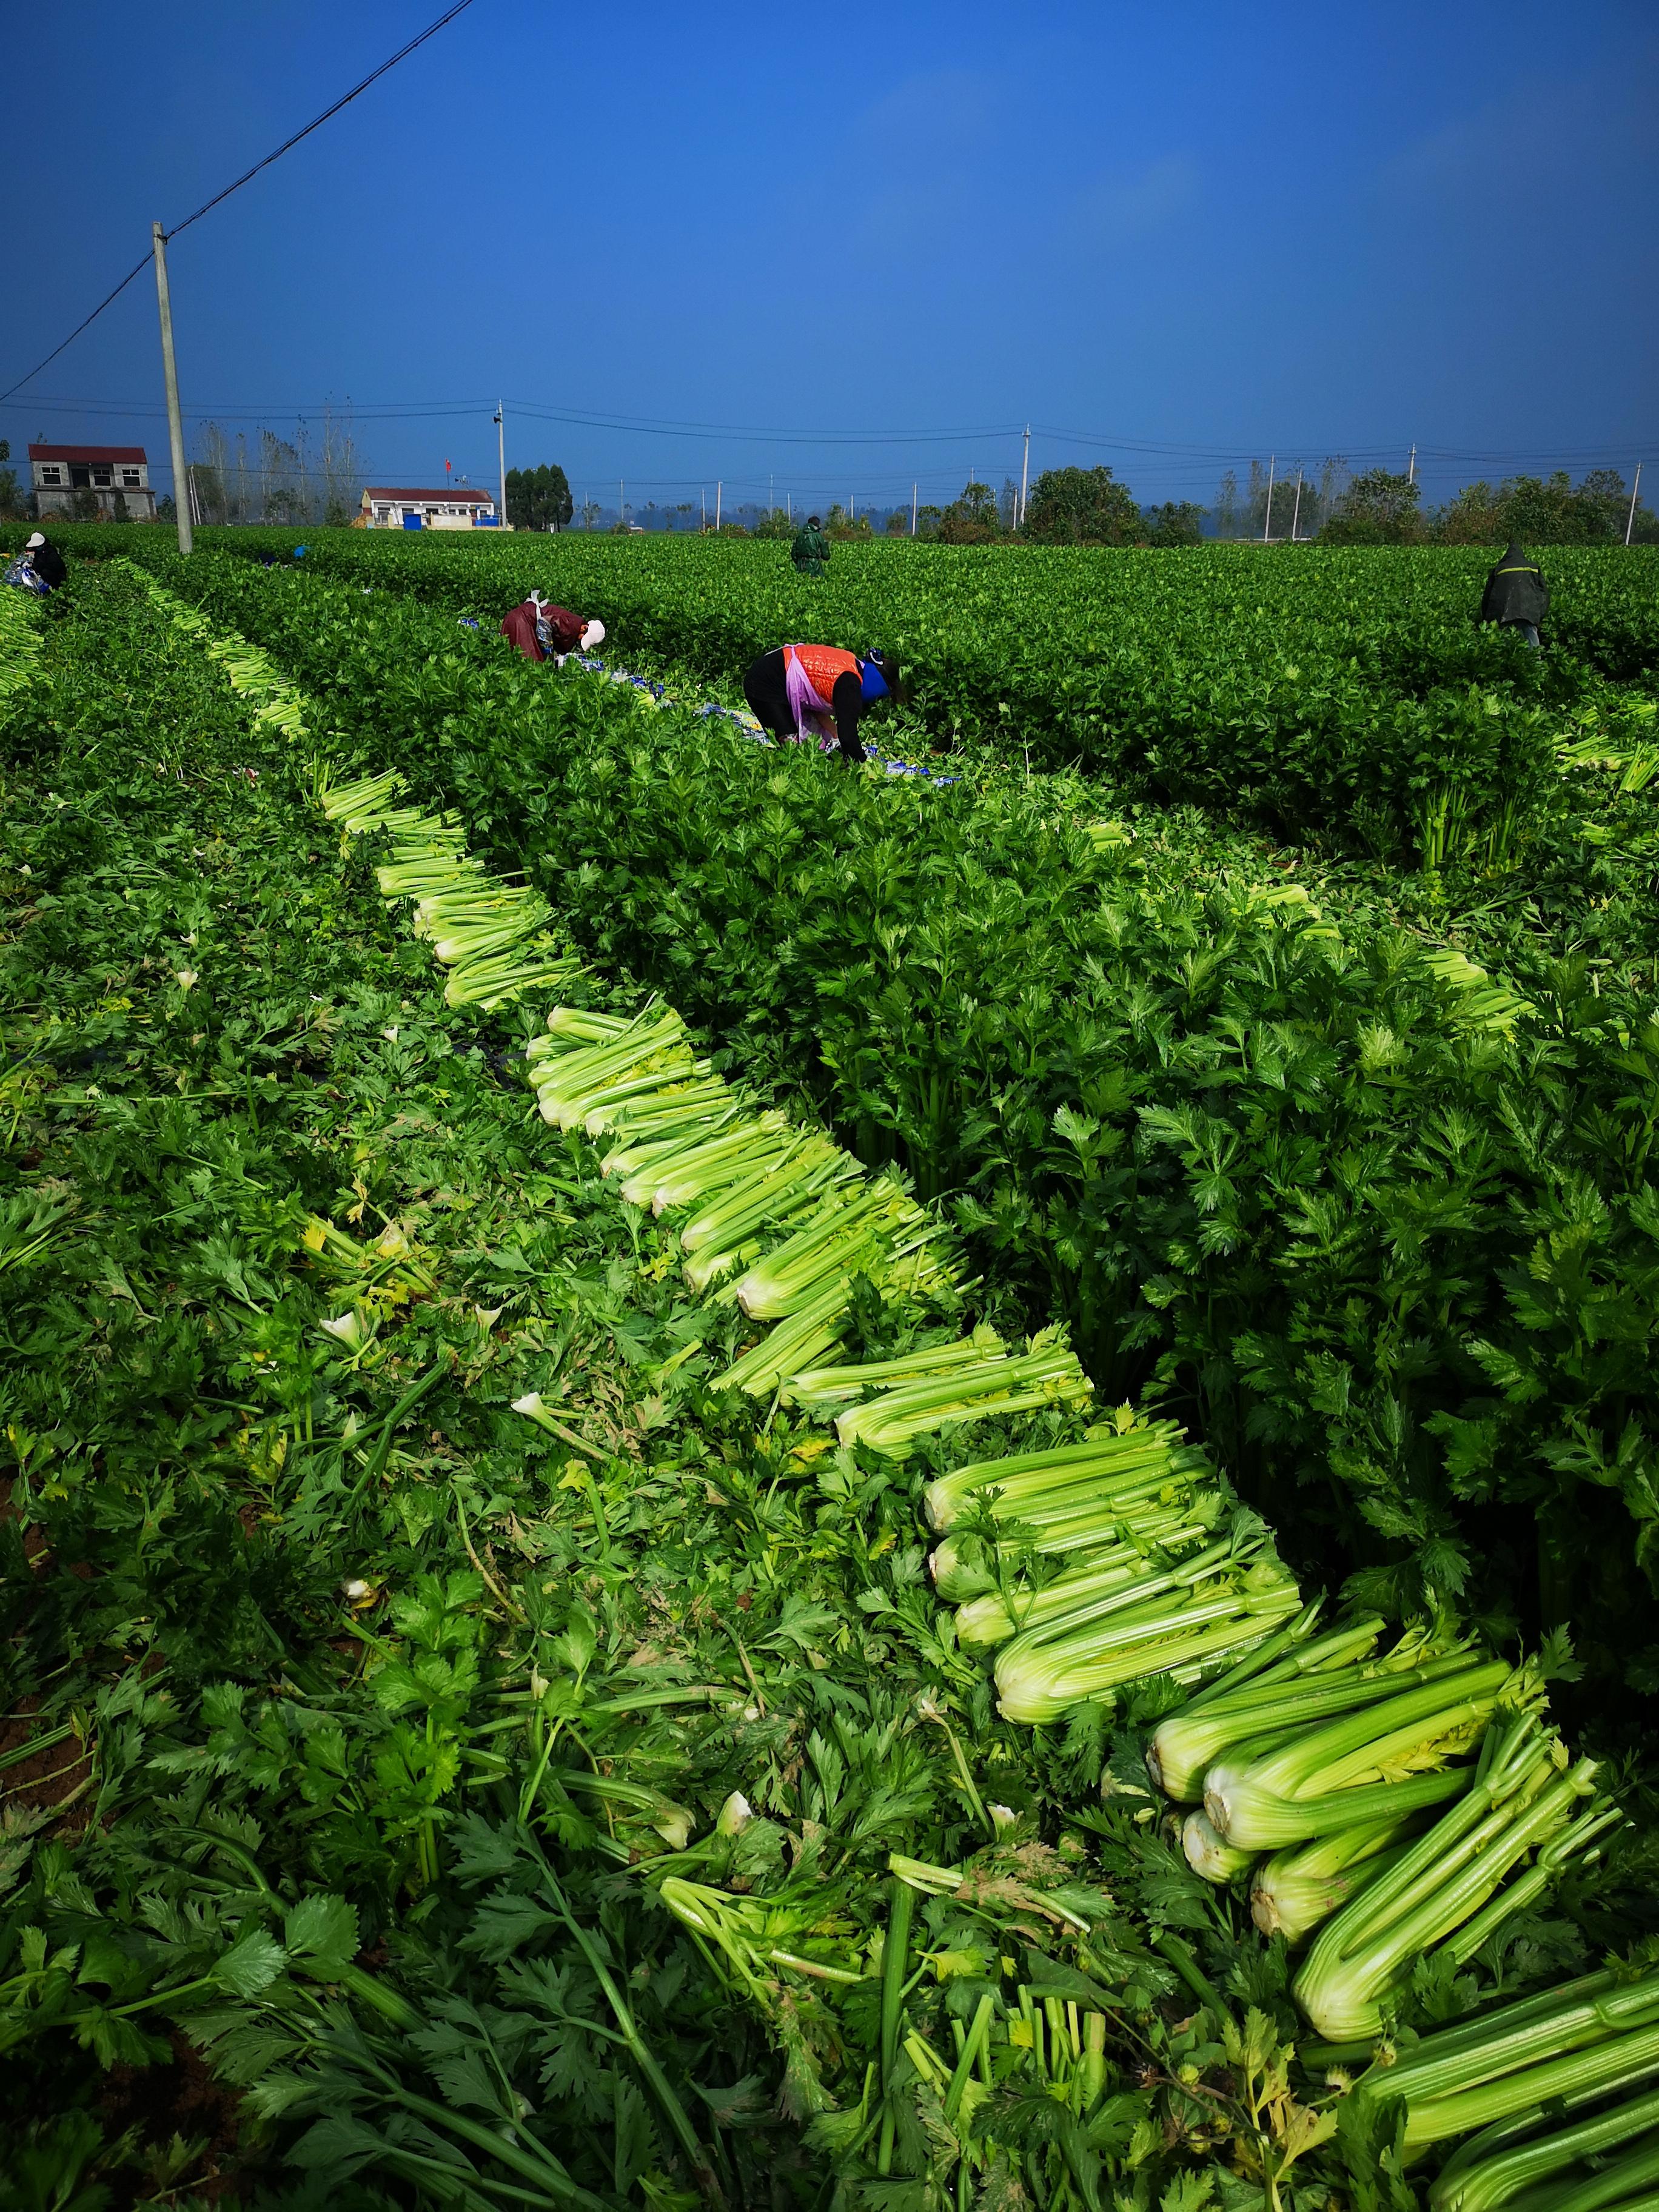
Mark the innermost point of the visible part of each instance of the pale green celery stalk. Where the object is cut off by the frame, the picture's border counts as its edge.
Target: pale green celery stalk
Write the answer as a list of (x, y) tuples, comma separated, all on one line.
[(1561, 2158), (477, 944), (688, 1106), (1293, 1891), (420, 878), (1037, 1681), (1442, 1881), (1026, 1475), (892, 1423), (599, 1108), (596, 1067), (1092, 1592), (1281, 1798), (594, 1106), (634, 1155), (964, 1567), (492, 983), (1586, 2010), (569, 1029), (831, 1386), (1294, 1653), (1513, 2105), (805, 1335), (678, 1173), (735, 1212), (1275, 1658), (585, 1065), (367, 794), (1205, 1853), (837, 1242), (472, 901), (1187, 1746)]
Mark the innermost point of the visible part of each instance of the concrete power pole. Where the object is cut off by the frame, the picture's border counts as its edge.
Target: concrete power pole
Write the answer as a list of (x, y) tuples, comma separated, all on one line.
[(717, 506), (1024, 475), (501, 456), (169, 369), (1411, 467), (1635, 493), (1296, 511), (1267, 519), (913, 510)]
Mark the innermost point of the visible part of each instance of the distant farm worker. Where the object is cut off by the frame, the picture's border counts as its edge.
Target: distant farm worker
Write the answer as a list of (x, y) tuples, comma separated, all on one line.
[(811, 549), (39, 568), (801, 692), (539, 628), (1516, 595)]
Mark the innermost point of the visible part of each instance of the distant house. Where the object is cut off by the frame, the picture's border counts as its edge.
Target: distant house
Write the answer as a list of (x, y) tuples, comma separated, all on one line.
[(385, 508), (108, 472)]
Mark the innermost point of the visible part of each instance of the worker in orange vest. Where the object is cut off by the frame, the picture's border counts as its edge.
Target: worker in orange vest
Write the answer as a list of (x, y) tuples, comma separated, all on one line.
[(804, 691)]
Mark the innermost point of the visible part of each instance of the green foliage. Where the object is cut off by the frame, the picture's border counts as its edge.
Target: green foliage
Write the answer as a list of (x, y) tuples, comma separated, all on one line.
[(1081, 507), (1377, 508), (538, 498)]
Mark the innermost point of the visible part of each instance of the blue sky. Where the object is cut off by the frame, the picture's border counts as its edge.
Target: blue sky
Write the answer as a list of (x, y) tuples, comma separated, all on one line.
[(1291, 229)]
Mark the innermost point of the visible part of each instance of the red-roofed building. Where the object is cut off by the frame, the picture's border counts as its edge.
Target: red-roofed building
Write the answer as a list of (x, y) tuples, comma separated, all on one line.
[(388, 507), (108, 473)]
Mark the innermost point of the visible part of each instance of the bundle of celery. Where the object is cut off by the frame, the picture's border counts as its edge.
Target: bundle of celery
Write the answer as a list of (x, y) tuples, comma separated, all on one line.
[(969, 1381), (583, 1084), (1450, 1888), (1517, 2074), (1080, 1497), (1285, 1781), (1082, 1642)]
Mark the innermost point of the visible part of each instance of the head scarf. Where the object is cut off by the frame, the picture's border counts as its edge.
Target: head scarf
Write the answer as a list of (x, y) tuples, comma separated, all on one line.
[(592, 634), (36, 540), (871, 682)]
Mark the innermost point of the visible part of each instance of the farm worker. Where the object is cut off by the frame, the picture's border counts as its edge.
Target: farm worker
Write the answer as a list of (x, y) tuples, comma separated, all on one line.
[(804, 691), (1516, 595), (811, 549), (45, 564), (538, 628)]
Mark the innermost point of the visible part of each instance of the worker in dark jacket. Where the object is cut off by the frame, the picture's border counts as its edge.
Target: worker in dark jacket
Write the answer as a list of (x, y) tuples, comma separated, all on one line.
[(811, 549), (46, 561), (805, 691), (538, 628), (1516, 595)]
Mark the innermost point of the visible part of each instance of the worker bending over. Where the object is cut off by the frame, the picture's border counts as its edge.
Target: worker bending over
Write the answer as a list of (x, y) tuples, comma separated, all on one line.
[(538, 628), (1516, 596), (39, 568), (804, 691), (811, 549)]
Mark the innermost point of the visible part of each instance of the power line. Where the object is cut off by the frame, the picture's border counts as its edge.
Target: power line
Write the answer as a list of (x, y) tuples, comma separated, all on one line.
[(345, 99)]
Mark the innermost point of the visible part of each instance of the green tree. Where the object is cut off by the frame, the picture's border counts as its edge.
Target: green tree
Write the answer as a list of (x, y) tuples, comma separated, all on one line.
[(83, 505), (928, 519), (775, 523), (1177, 522), (11, 499), (972, 518), (1081, 507), (539, 499), (898, 523), (1378, 508)]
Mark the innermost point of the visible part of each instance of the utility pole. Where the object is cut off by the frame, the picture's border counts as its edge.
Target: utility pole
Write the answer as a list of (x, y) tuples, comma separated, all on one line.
[(1267, 519), (913, 510), (789, 508), (621, 506), (1025, 477), (501, 455), (1411, 467), (1296, 511), (768, 495), (169, 369), (717, 506), (1635, 493)]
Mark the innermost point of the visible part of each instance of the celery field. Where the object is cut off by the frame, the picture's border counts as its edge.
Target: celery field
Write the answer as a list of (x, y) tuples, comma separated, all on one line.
[(728, 1482)]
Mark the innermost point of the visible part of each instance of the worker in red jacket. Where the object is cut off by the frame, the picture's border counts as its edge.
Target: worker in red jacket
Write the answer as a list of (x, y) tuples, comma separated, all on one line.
[(538, 628), (804, 691)]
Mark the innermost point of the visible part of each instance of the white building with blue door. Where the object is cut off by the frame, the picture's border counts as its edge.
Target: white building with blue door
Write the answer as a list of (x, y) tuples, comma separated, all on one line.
[(386, 508)]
